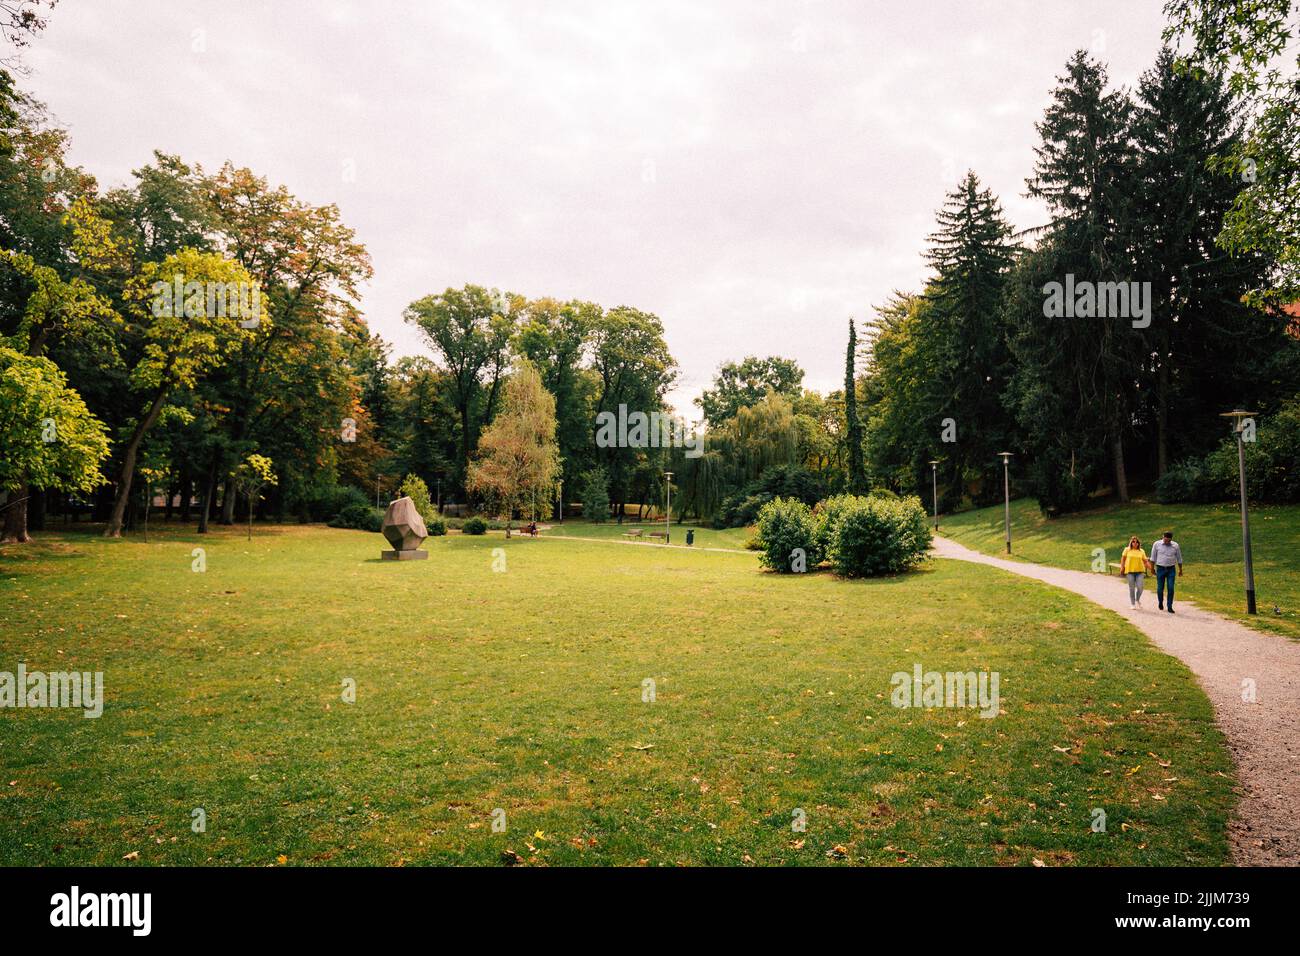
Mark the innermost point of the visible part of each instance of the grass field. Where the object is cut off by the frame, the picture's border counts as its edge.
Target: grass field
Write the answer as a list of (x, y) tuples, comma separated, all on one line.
[(521, 689), (705, 536), (1210, 536)]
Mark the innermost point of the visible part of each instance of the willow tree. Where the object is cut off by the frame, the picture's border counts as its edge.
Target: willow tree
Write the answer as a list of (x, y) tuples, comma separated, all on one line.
[(517, 456)]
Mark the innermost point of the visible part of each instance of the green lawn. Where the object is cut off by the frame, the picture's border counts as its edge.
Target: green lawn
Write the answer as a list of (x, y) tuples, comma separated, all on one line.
[(705, 536), (1210, 536), (521, 689)]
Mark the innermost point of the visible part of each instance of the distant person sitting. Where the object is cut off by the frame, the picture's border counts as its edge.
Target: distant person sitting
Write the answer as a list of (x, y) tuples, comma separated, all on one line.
[(1166, 555)]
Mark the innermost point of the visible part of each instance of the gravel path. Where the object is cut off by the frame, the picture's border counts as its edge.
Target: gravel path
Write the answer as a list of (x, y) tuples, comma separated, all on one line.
[(1263, 735)]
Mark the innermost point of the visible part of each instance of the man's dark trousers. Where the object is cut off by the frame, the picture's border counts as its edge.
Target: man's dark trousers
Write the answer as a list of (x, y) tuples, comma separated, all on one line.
[(1165, 575)]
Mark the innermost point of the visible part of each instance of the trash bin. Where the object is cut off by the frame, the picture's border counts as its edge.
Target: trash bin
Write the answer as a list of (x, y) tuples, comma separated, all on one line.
[(690, 537)]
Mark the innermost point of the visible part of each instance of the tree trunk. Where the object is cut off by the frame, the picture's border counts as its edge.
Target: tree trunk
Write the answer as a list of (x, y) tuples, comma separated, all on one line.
[(228, 504), (1162, 418), (464, 438), (209, 489), (15, 517), (1121, 477), (36, 507), (187, 492), (127, 475)]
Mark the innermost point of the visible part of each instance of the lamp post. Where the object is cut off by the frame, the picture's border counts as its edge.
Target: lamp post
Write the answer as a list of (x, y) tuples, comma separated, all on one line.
[(1238, 417), (1006, 494), (934, 479), (668, 508), (559, 494)]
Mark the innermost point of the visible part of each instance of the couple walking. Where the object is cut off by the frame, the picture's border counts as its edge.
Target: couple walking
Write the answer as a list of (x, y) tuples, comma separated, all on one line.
[(1166, 558)]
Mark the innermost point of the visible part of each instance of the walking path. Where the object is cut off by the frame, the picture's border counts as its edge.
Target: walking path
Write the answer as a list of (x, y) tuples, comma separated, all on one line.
[(1263, 735)]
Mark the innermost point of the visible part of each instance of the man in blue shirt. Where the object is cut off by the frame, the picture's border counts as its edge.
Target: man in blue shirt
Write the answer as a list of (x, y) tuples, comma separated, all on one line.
[(1166, 556)]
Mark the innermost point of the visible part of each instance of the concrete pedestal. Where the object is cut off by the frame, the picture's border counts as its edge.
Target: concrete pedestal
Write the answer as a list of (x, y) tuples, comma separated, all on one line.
[(403, 555)]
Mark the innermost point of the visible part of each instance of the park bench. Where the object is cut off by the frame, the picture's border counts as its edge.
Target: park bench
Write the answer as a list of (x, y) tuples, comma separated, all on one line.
[(659, 534), (634, 533)]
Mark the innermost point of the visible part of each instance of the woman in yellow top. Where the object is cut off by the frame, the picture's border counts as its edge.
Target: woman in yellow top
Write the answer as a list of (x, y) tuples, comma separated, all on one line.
[(1133, 565)]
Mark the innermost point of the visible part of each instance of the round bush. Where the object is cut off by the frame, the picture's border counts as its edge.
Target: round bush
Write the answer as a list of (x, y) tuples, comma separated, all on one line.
[(436, 527), (1188, 481), (361, 517), (474, 526), (876, 535), (827, 516), (784, 525)]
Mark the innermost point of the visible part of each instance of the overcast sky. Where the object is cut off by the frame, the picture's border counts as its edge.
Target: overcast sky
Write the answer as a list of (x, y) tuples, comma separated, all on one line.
[(754, 173)]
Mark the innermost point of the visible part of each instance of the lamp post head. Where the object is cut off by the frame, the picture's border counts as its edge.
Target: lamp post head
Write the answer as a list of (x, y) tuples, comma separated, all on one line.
[(1006, 456), (1237, 415), (934, 462)]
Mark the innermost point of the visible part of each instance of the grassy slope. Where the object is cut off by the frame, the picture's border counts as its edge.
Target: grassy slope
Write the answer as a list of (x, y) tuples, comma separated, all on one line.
[(522, 690), (1210, 536)]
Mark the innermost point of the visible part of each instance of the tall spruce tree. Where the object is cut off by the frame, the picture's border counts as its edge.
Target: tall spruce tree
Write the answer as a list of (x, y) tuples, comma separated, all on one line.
[(1091, 364), (1208, 349), (971, 253)]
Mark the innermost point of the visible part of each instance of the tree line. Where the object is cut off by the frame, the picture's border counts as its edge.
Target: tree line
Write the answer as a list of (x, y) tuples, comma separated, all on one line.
[(1142, 187), (114, 388)]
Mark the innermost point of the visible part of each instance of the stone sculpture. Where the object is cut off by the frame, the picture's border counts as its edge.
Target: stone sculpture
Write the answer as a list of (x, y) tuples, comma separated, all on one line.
[(405, 531)]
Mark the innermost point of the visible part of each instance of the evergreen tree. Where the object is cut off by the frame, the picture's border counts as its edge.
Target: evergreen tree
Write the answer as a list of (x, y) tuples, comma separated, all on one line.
[(1084, 172), (971, 252), (853, 426), (1202, 333)]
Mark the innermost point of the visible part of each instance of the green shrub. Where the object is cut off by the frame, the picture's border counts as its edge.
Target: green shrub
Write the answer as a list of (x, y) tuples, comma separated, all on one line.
[(1272, 460), (1272, 466), (436, 527), (474, 526), (413, 486), (875, 535), (361, 517), (594, 492), (1188, 481), (328, 501), (740, 508), (827, 516), (784, 526)]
